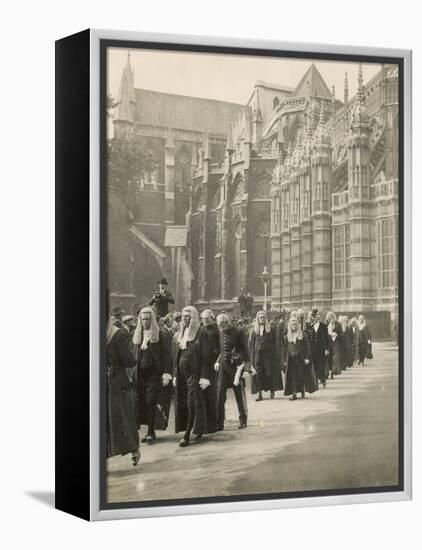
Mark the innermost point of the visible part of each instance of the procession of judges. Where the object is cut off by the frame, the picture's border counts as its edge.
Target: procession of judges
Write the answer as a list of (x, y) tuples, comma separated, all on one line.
[(192, 359)]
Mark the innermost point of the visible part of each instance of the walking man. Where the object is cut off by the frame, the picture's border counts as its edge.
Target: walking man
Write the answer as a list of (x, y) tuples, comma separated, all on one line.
[(318, 339), (211, 351), (300, 376), (153, 353), (265, 366), (190, 380), (230, 364), (122, 429)]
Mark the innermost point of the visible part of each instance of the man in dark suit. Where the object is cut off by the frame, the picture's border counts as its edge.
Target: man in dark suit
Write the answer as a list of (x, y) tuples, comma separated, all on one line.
[(117, 314), (318, 339), (161, 299), (233, 358)]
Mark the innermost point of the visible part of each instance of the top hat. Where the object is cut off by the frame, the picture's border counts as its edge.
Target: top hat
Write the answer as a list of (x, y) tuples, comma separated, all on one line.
[(163, 281), (117, 311)]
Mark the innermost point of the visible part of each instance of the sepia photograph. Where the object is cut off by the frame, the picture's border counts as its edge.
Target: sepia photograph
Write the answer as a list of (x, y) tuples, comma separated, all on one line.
[(252, 268)]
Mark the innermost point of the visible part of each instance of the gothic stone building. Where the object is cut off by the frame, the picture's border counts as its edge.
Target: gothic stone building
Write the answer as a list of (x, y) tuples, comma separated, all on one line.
[(295, 180), (147, 233)]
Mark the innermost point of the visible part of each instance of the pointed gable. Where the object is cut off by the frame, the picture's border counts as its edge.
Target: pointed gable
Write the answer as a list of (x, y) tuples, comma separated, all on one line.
[(312, 84)]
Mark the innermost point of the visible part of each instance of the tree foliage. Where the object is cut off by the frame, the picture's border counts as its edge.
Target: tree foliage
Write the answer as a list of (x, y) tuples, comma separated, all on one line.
[(125, 163)]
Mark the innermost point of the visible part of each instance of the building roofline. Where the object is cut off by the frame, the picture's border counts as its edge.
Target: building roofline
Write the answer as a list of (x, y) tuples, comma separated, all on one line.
[(271, 85), (192, 97)]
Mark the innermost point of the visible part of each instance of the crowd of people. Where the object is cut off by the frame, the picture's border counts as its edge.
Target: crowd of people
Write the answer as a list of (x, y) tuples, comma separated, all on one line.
[(192, 359)]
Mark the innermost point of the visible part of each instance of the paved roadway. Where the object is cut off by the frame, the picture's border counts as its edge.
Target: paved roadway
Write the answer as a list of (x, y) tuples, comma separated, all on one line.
[(345, 436)]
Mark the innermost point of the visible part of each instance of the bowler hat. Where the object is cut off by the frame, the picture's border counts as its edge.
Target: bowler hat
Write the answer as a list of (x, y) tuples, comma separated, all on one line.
[(163, 282), (117, 311)]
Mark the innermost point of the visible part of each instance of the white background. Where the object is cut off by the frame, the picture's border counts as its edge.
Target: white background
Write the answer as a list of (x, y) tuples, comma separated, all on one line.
[(27, 272)]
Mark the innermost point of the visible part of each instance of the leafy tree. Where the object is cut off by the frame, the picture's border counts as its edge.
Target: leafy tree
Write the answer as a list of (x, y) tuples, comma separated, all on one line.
[(125, 163)]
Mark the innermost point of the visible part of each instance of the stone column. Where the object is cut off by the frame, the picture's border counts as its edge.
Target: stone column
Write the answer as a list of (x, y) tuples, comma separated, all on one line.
[(275, 250), (285, 246), (322, 273), (306, 238), (169, 204)]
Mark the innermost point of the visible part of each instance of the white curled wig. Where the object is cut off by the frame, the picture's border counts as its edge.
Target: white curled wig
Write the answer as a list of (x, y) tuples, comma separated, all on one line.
[(293, 336), (255, 326), (153, 333), (189, 334), (331, 321)]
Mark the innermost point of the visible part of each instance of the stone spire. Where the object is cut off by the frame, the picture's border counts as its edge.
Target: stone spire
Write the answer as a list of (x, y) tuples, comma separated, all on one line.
[(346, 90), (321, 134), (298, 149), (360, 83), (333, 111), (346, 103), (322, 114), (126, 110), (288, 161), (257, 119), (360, 114), (309, 128), (230, 145)]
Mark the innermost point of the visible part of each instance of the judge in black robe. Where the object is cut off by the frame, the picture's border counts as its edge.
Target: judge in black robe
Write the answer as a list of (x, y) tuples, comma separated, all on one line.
[(264, 356), (300, 375), (122, 427), (190, 380), (346, 343), (211, 351), (364, 340), (153, 352), (318, 340), (334, 344)]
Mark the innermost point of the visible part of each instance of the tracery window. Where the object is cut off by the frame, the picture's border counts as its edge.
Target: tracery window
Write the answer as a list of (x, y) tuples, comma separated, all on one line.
[(341, 257), (386, 253)]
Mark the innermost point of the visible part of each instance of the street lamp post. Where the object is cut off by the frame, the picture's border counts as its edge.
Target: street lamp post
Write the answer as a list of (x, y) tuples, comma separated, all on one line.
[(266, 278)]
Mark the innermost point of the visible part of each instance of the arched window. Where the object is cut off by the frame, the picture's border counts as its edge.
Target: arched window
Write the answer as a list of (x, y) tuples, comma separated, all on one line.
[(150, 174), (182, 168)]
